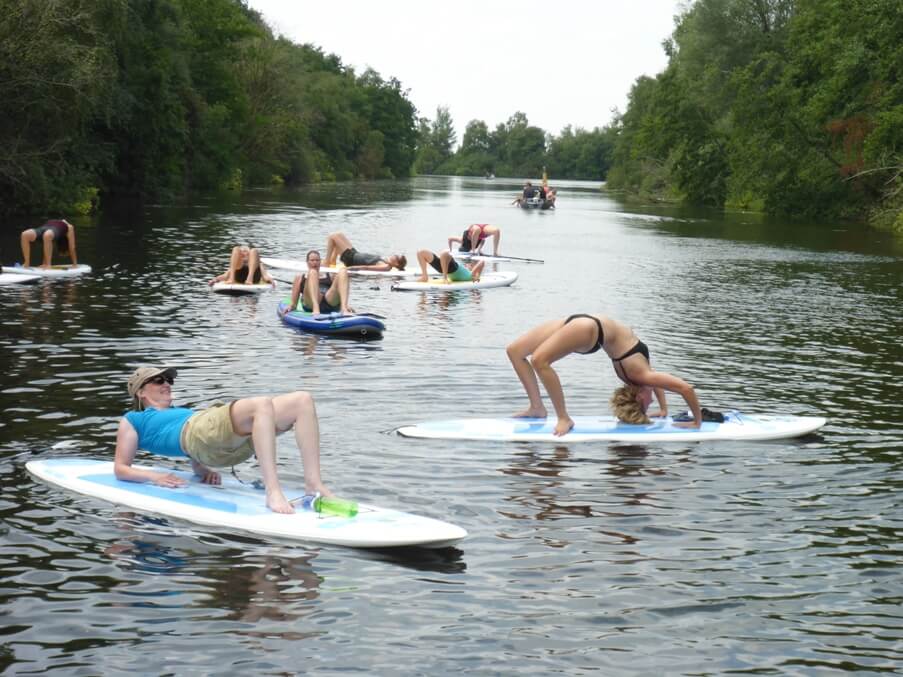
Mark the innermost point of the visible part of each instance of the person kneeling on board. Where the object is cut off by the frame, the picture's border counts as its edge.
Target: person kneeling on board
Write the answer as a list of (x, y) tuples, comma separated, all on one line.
[(452, 270), (245, 267), (585, 334), (219, 436), (320, 292)]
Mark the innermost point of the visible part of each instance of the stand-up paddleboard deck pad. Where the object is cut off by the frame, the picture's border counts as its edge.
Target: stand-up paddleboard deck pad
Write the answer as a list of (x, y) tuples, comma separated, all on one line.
[(238, 506), (333, 324), (301, 267), (53, 271), (487, 280), (241, 289), (737, 426)]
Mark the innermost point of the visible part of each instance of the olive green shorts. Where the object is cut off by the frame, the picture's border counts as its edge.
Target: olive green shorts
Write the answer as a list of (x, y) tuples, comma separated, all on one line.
[(208, 438)]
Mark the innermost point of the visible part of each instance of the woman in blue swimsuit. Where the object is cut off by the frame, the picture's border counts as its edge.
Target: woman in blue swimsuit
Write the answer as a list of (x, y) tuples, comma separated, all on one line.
[(585, 334)]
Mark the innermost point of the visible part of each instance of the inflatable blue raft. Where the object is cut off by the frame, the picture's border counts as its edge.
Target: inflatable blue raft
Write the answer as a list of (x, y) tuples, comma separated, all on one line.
[(333, 324)]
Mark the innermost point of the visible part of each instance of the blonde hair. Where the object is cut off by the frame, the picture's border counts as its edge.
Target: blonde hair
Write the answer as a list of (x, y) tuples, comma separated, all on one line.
[(626, 407)]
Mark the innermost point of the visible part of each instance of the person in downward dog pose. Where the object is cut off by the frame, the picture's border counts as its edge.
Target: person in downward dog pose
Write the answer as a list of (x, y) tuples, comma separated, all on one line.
[(338, 246), (59, 231), (585, 334), (474, 237), (219, 436), (320, 292), (452, 270)]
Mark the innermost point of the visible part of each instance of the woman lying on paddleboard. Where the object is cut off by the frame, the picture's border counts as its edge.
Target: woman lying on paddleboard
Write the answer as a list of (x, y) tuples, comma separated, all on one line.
[(585, 334)]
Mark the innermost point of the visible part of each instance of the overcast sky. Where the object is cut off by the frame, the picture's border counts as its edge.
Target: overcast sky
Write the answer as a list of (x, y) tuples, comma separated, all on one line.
[(567, 62)]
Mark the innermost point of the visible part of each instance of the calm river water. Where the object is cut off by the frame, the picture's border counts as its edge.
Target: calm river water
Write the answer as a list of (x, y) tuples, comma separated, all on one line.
[(767, 558)]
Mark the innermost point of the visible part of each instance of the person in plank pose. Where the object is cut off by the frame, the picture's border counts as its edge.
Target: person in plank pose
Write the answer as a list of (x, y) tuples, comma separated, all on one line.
[(217, 437), (338, 246), (245, 267), (474, 237), (320, 292), (452, 270), (585, 334), (58, 231)]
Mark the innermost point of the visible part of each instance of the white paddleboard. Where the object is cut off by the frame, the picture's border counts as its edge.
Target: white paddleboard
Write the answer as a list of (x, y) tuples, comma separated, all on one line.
[(53, 271), (238, 506), (737, 426), (236, 289), (301, 267), (487, 280), (16, 278)]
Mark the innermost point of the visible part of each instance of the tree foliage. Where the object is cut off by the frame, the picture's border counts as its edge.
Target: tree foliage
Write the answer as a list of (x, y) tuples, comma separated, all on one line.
[(790, 105), (155, 98)]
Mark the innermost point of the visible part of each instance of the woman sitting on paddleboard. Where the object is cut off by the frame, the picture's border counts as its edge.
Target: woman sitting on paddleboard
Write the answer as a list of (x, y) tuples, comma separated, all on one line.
[(585, 334), (320, 293)]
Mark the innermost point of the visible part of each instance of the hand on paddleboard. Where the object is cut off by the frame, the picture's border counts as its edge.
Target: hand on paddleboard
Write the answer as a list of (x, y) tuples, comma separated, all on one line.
[(168, 480)]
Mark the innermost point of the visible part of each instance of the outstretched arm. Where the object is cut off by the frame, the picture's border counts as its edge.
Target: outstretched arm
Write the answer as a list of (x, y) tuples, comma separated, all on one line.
[(451, 240), (218, 278), (381, 267), (659, 379), (71, 237), (126, 448), (662, 404)]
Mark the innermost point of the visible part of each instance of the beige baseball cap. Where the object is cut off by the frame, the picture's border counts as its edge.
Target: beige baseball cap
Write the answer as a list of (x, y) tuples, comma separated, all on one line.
[(141, 376)]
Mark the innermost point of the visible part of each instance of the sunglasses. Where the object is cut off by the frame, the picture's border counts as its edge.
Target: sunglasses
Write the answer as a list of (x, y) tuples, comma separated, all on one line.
[(160, 380)]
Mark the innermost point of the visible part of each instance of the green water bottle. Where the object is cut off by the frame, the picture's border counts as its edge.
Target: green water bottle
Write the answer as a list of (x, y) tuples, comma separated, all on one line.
[(331, 505)]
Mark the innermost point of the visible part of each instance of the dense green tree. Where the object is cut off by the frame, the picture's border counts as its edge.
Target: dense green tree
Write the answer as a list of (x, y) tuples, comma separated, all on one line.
[(154, 98), (791, 105), (435, 142)]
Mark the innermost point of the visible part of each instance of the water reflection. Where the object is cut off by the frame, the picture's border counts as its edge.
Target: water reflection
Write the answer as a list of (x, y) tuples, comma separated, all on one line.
[(570, 547)]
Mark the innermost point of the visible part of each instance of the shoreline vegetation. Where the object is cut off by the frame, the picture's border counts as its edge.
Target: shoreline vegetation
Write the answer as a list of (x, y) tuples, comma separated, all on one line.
[(788, 107)]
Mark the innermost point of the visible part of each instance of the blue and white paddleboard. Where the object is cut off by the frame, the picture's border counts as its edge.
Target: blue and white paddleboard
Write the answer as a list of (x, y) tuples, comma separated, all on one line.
[(435, 283), (238, 506), (241, 289), (736, 426), (52, 271), (332, 324), (301, 267)]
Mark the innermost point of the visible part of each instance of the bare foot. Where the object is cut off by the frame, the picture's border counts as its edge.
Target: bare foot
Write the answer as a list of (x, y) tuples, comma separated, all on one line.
[(532, 413), (564, 426), (317, 487), (278, 503), (423, 278)]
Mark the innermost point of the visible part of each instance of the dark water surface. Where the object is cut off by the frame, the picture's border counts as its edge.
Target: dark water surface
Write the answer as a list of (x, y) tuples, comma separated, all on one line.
[(767, 558)]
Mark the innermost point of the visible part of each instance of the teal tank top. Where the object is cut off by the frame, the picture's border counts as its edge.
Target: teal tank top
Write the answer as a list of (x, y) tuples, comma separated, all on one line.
[(160, 430)]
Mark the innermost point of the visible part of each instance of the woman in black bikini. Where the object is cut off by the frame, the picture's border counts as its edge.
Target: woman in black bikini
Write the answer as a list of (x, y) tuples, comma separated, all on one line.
[(60, 231), (585, 334)]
